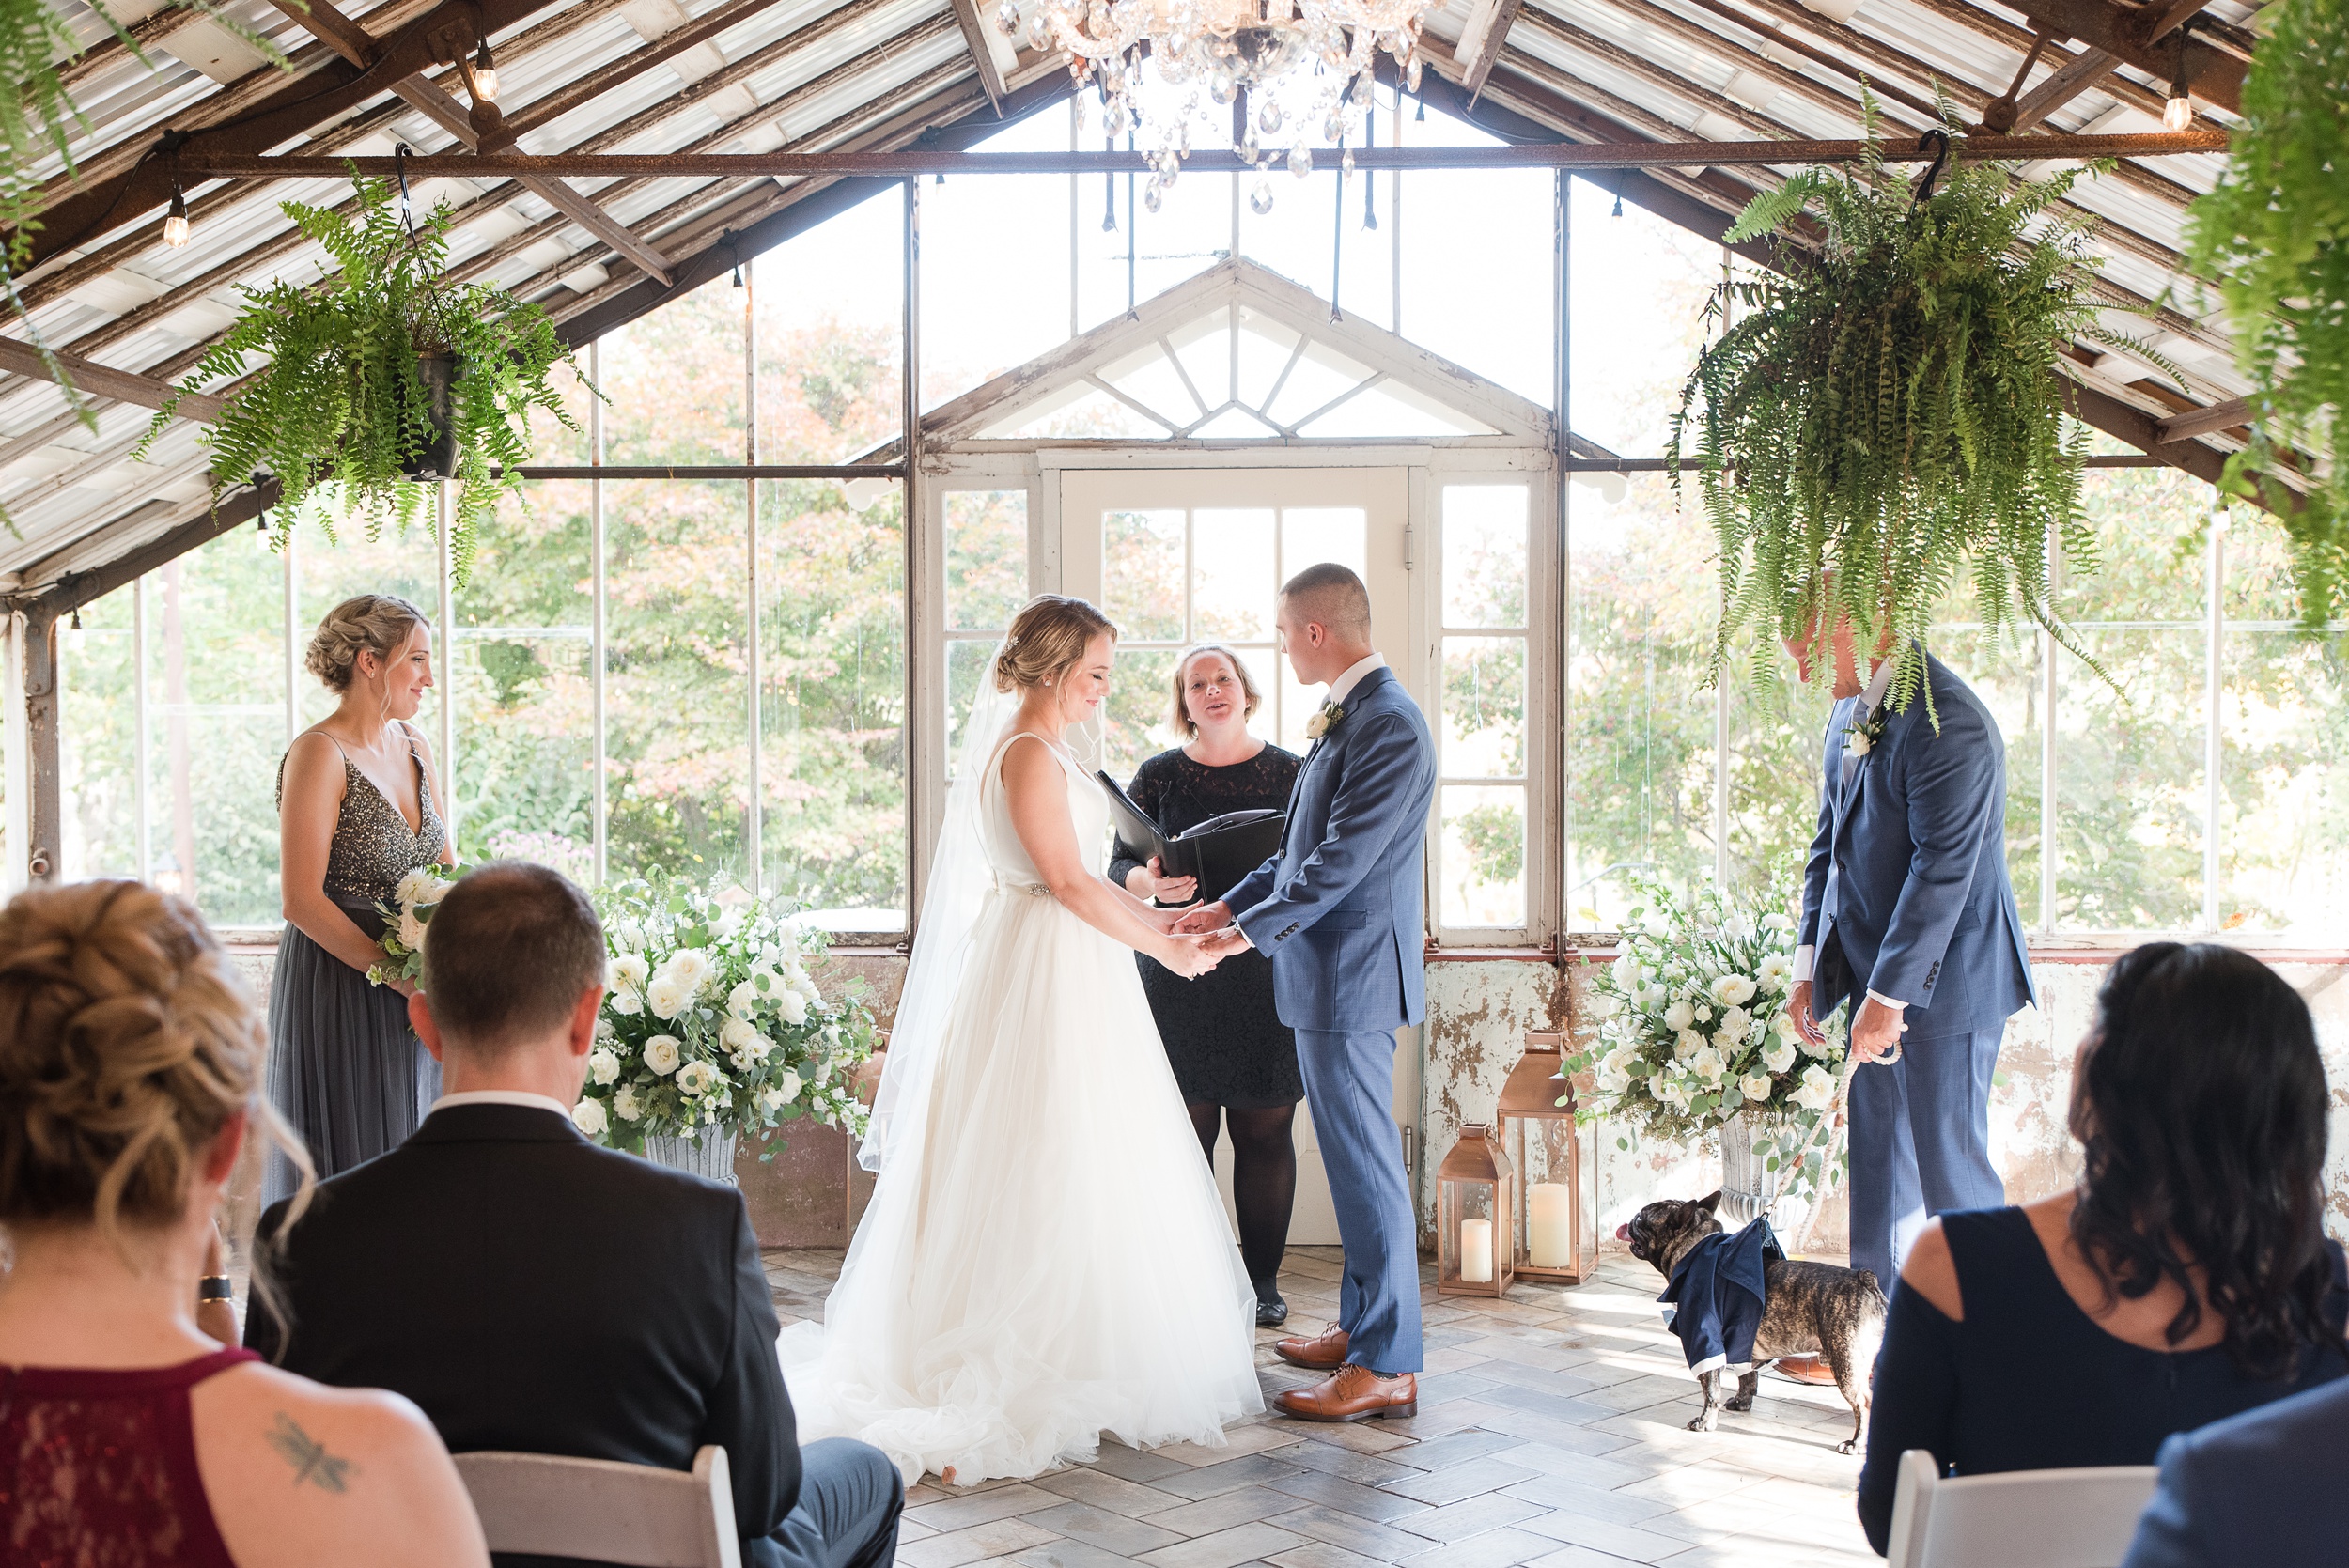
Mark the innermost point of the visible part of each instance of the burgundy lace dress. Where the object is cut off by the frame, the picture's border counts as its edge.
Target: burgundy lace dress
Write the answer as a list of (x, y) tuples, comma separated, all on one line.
[(97, 1468)]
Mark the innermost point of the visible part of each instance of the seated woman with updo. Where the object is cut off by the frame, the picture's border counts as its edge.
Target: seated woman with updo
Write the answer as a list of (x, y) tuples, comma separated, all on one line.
[(130, 1074)]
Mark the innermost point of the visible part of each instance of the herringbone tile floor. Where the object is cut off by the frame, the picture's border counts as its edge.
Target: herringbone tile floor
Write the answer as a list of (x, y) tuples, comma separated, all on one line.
[(1549, 1434)]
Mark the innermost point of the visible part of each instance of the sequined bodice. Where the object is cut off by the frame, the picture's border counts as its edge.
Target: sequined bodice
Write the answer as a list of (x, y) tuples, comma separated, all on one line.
[(373, 845)]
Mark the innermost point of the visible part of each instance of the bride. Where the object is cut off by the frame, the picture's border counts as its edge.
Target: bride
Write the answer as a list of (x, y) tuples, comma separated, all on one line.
[(1045, 1259)]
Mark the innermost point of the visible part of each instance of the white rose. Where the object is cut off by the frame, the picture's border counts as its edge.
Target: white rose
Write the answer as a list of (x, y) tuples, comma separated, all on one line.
[(1679, 1016), (743, 999), (662, 1054), (1672, 1092), (695, 1077), (689, 967), (1777, 1056), (790, 933), (411, 931), (1732, 990), (789, 1085), (1816, 1091), (1655, 996), (667, 995), (1626, 972), (1733, 1021), (625, 1103), (418, 886), (1705, 1014), (1738, 928), (737, 1033), (587, 1116), (794, 1007), (770, 1101), (1754, 1086), (1775, 921), (1687, 1044), (1612, 1078), (626, 1003), (1855, 742), (1783, 1027), (1777, 972), (603, 1066), (1707, 1065), (626, 971), (604, 1029)]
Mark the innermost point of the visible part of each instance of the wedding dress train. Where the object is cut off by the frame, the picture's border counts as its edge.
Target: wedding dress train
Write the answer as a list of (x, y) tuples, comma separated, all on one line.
[(1050, 1261)]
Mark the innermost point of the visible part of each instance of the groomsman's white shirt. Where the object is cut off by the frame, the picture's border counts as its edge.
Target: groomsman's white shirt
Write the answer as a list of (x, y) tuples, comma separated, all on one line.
[(1806, 958), (1339, 687), (504, 1096)]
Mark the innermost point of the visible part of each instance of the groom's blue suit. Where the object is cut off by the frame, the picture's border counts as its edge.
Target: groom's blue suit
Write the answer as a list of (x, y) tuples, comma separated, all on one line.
[(1337, 911)]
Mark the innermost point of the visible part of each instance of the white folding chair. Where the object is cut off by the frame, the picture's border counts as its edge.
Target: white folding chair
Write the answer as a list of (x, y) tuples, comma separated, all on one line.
[(605, 1511), (2082, 1519)]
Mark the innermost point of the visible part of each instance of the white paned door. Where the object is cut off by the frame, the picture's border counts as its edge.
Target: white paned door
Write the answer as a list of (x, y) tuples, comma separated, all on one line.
[(1178, 556)]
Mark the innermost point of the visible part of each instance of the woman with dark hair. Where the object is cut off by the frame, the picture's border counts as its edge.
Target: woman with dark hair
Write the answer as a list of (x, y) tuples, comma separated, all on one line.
[(2184, 1278)]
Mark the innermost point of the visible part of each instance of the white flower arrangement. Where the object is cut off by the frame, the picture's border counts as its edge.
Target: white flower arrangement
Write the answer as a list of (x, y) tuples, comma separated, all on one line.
[(406, 919), (1688, 1028), (711, 1022)]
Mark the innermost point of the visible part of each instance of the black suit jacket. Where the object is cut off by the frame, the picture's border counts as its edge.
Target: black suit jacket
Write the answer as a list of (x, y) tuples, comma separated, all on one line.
[(531, 1291)]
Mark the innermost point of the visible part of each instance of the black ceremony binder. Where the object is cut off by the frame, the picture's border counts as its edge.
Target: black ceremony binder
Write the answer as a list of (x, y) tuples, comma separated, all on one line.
[(1220, 851)]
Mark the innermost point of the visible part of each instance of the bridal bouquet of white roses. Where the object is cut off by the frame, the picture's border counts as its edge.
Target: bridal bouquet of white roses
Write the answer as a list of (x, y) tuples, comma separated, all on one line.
[(1688, 1027), (712, 1024), (405, 919)]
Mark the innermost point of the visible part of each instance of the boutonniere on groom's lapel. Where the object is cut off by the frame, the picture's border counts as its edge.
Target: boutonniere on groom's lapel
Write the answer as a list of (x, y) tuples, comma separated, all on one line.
[(1324, 720), (1862, 732)]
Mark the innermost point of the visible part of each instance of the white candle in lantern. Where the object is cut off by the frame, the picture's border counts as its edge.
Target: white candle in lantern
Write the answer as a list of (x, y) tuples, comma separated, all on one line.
[(1476, 1251), (1549, 1225)]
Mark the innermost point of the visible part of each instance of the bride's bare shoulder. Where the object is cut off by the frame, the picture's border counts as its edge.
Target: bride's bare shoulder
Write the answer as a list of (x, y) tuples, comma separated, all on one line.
[(1025, 768)]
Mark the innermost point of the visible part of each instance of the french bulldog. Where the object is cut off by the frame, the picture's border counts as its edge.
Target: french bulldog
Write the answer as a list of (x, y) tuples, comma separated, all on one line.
[(1807, 1309)]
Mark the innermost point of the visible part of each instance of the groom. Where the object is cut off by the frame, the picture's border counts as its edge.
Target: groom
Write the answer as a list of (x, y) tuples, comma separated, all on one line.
[(1338, 912)]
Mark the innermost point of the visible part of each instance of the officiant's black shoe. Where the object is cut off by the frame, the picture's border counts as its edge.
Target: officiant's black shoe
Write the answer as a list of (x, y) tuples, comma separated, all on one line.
[(1353, 1394), (1324, 1352), (1271, 1312)]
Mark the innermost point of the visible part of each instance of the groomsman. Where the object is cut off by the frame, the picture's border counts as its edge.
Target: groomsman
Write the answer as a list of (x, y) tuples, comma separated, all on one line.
[(1908, 916)]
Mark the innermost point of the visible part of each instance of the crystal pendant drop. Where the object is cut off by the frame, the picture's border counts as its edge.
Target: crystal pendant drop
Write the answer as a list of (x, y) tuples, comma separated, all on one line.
[(1346, 163), (1260, 199), (1150, 197), (1007, 18), (1300, 162), (1269, 117)]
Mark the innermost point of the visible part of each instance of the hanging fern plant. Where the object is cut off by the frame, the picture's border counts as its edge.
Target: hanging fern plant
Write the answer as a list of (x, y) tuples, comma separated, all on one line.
[(1886, 417), (380, 375), (2275, 234)]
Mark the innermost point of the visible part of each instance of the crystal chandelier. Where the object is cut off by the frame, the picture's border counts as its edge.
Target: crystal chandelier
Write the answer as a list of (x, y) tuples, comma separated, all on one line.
[(1228, 52)]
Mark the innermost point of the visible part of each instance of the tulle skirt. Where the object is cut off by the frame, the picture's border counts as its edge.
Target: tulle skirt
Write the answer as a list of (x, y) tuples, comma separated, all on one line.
[(344, 1066), (1053, 1264)]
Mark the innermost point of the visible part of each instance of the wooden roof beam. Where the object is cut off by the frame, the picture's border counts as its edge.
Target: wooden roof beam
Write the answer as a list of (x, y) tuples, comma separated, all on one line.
[(1481, 36), (103, 380), (985, 40), (555, 105), (2213, 70)]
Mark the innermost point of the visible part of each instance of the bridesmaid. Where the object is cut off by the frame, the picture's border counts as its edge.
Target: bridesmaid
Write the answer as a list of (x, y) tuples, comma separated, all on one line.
[(1234, 1058), (357, 810)]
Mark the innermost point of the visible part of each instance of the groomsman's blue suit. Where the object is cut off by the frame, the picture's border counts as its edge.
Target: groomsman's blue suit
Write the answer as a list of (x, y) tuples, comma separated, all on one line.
[(2258, 1490), (1338, 912), (1906, 895)]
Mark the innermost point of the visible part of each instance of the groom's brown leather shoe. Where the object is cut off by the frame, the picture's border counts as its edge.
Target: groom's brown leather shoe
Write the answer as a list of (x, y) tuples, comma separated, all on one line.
[(1353, 1394), (1324, 1352)]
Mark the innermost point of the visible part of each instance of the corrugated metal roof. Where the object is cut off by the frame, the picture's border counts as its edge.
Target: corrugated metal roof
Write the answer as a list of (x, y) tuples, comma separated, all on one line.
[(812, 75)]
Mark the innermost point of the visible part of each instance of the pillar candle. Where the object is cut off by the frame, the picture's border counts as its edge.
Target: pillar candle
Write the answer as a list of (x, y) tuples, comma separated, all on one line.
[(1549, 1225), (1476, 1251)]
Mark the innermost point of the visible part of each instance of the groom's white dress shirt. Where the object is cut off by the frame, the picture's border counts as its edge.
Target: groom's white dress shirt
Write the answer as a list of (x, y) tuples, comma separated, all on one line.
[(1872, 698), (503, 1096), (1345, 684)]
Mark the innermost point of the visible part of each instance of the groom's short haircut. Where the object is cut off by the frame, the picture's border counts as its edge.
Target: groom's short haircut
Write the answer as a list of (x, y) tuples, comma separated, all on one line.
[(1331, 596), (507, 955)]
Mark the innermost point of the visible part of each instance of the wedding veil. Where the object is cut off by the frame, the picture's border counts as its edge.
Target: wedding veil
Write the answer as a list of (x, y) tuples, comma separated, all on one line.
[(959, 881)]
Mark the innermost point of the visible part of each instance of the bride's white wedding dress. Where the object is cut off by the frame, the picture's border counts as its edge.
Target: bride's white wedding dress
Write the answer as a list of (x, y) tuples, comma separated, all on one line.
[(1047, 1260)]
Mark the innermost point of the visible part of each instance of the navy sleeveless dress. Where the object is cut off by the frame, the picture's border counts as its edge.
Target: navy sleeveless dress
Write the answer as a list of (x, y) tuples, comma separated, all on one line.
[(344, 1067)]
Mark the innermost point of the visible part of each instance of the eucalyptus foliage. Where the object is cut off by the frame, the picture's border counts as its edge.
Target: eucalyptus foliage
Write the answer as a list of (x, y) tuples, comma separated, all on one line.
[(342, 400), (1886, 415), (2275, 234)]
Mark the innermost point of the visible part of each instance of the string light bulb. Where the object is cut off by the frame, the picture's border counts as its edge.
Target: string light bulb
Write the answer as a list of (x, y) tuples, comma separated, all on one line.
[(485, 74), (2177, 113), (175, 219)]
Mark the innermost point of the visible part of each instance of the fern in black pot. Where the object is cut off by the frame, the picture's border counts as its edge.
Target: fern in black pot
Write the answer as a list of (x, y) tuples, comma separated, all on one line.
[(379, 377)]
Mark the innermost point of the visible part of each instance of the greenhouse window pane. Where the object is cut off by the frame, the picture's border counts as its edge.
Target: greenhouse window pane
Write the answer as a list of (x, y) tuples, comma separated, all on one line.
[(1484, 555), (1142, 574), (2285, 768), (1484, 857), (2130, 799), (986, 557), (1483, 707)]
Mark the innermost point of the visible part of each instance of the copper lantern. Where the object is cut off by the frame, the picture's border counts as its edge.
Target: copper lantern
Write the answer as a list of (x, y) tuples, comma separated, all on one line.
[(1554, 1222), (1475, 1195)]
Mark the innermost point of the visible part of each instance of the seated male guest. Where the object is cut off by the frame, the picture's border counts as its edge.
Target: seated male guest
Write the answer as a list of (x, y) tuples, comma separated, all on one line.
[(2185, 1279), (531, 1291), (2252, 1491)]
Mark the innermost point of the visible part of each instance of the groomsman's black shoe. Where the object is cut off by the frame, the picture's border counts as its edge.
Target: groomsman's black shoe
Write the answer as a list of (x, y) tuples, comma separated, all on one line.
[(1324, 1352), (1353, 1394), (1271, 1312)]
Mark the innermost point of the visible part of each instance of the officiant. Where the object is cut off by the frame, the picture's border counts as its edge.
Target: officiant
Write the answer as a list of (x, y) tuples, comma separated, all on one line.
[(1233, 1057)]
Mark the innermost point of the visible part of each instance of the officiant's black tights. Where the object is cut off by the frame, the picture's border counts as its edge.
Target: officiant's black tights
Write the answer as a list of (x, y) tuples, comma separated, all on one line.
[(1263, 1182)]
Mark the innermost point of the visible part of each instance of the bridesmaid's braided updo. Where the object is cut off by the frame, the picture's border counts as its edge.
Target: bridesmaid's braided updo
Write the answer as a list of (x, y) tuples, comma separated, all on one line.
[(1048, 638), (370, 623), (127, 1041)]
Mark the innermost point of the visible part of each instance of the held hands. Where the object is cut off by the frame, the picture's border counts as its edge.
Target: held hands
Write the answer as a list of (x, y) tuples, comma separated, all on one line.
[(1799, 1009), (1190, 956), (1207, 917)]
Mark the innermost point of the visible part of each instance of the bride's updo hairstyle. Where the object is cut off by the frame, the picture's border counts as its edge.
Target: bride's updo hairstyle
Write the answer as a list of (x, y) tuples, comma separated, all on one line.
[(127, 1042), (1048, 638), (371, 623)]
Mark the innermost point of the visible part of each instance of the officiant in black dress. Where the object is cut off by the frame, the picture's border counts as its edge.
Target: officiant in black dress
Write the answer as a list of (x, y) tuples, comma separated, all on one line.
[(1234, 1059)]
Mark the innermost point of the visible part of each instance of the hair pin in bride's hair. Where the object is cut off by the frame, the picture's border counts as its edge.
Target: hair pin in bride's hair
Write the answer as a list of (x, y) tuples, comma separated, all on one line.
[(1010, 642)]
